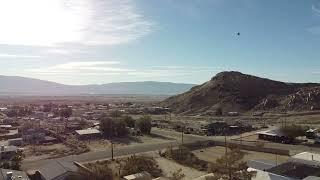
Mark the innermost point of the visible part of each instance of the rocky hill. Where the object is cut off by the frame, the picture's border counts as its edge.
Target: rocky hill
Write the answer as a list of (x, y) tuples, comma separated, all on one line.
[(234, 91)]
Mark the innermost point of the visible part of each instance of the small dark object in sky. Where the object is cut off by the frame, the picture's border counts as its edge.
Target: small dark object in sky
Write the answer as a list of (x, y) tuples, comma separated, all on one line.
[(238, 34)]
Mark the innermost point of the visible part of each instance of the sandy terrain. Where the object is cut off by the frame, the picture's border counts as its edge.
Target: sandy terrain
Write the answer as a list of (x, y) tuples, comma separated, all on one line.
[(213, 153), (44, 151), (169, 166), (103, 144)]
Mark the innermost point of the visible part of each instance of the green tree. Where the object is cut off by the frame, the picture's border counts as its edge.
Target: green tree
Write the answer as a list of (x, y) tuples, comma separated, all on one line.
[(65, 112), (83, 123), (106, 126), (294, 131), (112, 127), (116, 114), (119, 128), (144, 124), (231, 166), (130, 122), (16, 161)]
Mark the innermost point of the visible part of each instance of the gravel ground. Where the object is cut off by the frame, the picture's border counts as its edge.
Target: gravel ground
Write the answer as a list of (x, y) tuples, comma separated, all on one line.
[(169, 166)]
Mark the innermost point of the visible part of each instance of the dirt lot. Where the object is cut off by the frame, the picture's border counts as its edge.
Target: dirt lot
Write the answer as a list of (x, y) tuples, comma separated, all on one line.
[(103, 144), (213, 153), (169, 166), (44, 151)]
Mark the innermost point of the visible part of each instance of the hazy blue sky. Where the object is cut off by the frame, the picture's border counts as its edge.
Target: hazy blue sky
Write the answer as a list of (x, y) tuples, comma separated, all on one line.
[(101, 41)]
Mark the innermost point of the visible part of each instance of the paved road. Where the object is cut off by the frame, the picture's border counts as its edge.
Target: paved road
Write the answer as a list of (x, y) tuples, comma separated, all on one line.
[(141, 148), (121, 151)]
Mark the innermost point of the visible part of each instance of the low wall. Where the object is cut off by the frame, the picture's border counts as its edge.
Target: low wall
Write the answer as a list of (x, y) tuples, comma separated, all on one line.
[(210, 143), (256, 148)]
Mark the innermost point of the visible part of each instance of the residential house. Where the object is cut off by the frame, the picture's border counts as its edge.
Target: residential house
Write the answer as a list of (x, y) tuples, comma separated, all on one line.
[(56, 170), (8, 174), (6, 126), (7, 152), (89, 133), (304, 166), (15, 142), (275, 135), (33, 135)]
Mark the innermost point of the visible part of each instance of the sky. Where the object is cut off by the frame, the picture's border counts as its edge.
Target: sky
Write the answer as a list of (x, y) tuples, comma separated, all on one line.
[(184, 41)]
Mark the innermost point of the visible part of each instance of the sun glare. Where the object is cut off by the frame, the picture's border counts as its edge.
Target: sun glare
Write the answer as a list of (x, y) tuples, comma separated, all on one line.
[(42, 22)]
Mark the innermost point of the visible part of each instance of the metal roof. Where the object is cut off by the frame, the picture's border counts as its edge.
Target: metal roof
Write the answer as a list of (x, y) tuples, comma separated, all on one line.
[(272, 132), (56, 169), (141, 176), (307, 158), (88, 131), (9, 148), (261, 164), (263, 175)]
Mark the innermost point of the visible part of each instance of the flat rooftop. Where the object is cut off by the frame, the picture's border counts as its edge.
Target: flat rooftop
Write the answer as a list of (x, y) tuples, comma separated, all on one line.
[(88, 131), (308, 156)]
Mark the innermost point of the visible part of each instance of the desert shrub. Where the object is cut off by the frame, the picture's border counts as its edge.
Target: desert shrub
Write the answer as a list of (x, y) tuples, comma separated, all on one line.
[(177, 175), (94, 172), (136, 164), (184, 156)]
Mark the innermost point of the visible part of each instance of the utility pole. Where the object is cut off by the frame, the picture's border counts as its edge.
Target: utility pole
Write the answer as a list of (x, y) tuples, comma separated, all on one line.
[(112, 151), (226, 155), (285, 119), (182, 135), (111, 139), (226, 149)]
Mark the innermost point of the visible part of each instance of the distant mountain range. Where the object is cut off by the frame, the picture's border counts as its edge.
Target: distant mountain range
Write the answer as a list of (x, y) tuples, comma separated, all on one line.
[(234, 91), (14, 85)]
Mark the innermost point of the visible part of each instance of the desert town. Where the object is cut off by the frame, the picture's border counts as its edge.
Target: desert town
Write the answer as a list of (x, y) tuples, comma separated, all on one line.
[(61, 141)]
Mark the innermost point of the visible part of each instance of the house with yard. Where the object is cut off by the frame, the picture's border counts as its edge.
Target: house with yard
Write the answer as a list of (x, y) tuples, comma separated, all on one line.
[(7, 152), (275, 135), (56, 170), (8, 174), (15, 142), (10, 134), (6, 127), (304, 166), (86, 134), (33, 135), (306, 158)]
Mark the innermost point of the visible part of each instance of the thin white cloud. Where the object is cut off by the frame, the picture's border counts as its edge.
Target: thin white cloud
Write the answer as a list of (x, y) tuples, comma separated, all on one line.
[(113, 68), (58, 22), (315, 8), (315, 29), (17, 56), (82, 67)]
